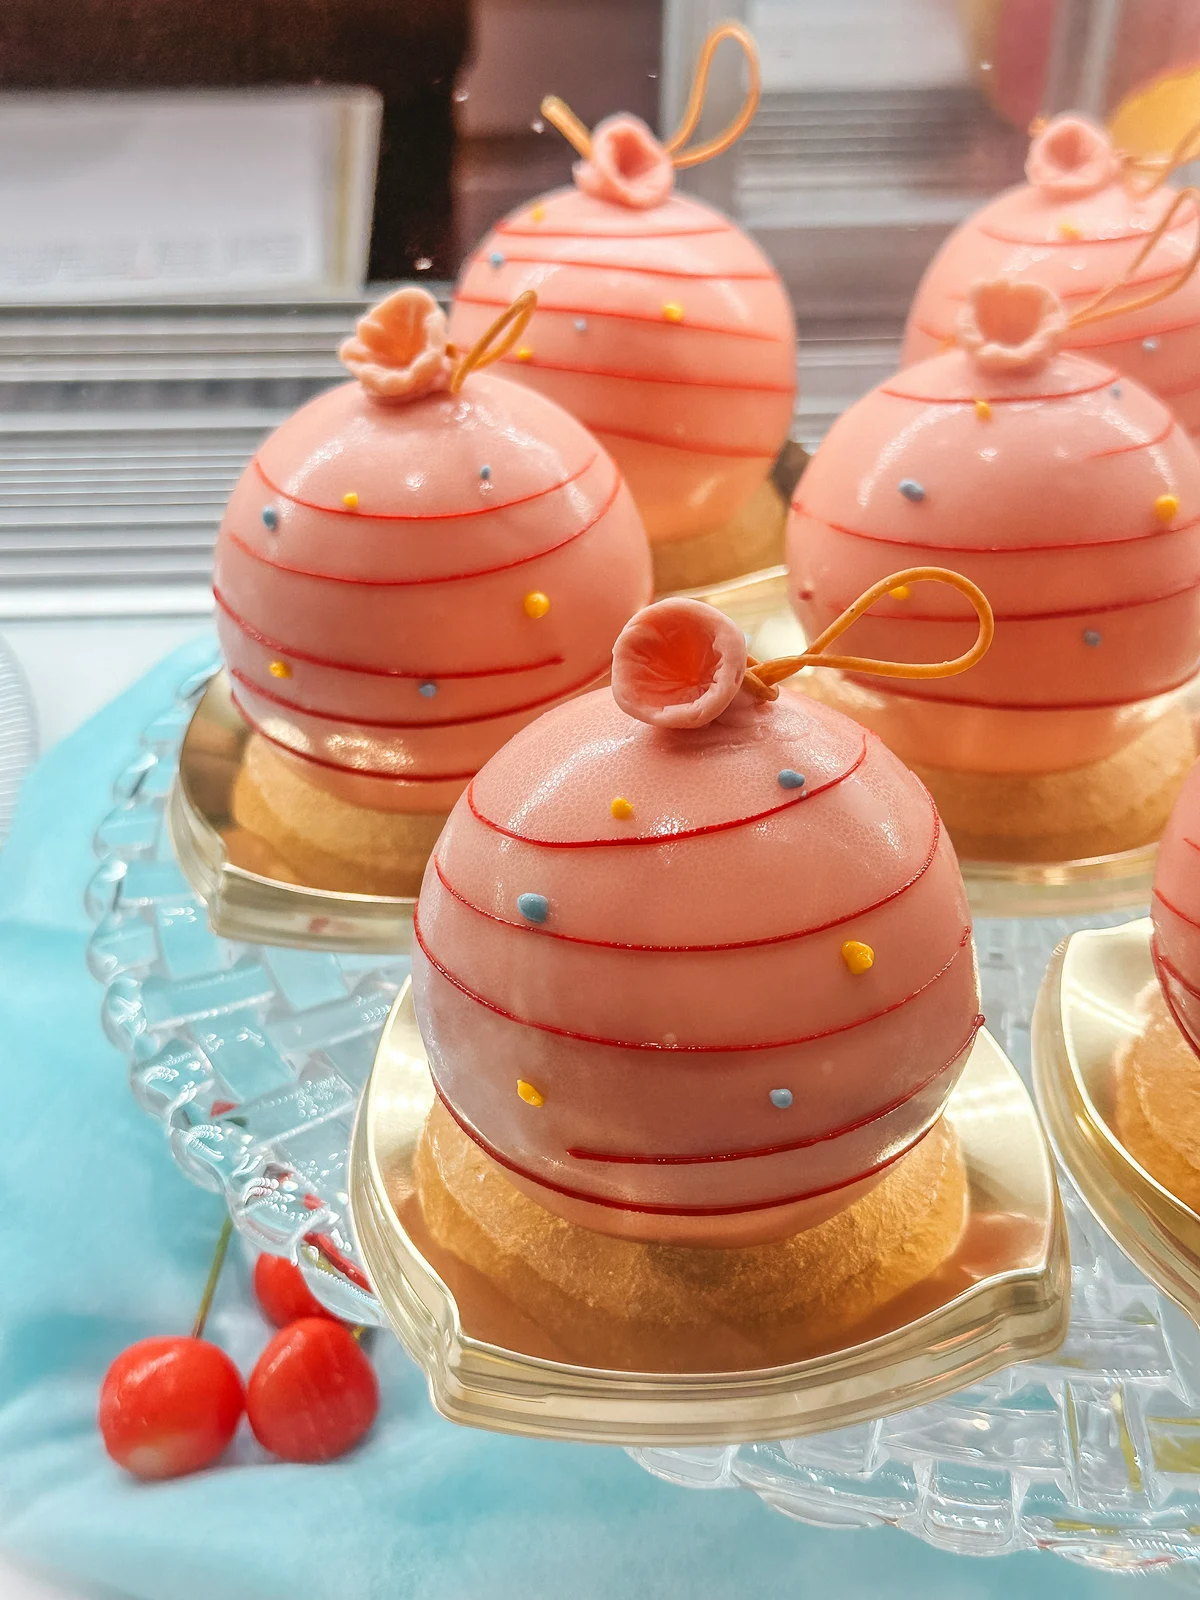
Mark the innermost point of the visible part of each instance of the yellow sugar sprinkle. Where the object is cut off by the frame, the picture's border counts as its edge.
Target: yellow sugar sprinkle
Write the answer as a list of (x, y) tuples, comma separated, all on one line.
[(279, 669), (536, 604), (858, 957), (530, 1095), (673, 311), (538, 214), (350, 501), (900, 592), (983, 411), (1166, 506), (621, 808), (525, 353), (1068, 230)]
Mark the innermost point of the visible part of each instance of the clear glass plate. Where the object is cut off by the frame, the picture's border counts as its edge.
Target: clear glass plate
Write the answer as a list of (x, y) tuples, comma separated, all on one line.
[(1070, 1454)]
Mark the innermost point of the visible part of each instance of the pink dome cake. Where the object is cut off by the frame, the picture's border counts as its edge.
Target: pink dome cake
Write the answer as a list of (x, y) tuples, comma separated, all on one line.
[(692, 964), (660, 325), (1176, 911), (1077, 226), (1072, 497), (410, 570)]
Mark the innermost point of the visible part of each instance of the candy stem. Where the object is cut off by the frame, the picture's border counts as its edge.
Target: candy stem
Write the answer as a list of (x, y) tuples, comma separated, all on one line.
[(214, 1272)]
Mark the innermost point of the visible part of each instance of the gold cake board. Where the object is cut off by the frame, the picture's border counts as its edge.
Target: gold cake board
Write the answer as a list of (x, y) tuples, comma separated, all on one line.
[(1088, 1008), (1002, 1297)]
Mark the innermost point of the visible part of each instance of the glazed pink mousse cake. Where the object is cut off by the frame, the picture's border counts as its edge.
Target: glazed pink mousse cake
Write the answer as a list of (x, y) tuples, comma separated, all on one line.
[(665, 330), (1071, 496), (691, 966), (1076, 225), (405, 576)]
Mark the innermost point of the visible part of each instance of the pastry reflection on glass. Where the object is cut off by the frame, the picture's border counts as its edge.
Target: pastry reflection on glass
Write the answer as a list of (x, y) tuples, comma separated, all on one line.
[(413, 566), (661, 326), (1080, 221), (1072, 496), (693, 967)]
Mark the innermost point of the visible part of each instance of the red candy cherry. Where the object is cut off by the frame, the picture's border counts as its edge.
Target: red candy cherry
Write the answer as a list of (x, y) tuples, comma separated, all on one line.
[(313, 1394), (171, 1405), (282, 1292)]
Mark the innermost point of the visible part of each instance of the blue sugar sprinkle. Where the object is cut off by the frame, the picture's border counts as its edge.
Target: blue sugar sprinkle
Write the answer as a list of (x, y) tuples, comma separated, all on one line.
[(533, 907), (1150, 344), (270, 518), (1090, 636), (781, 1099), (496, 258), (789, 778), (911, 490), (580, 324), (485, 473), (427, 689), (1115, 391)]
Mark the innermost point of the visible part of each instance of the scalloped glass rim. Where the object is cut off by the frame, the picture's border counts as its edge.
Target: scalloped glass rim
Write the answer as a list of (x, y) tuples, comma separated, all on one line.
[(1086, 1008), (248, 905), (1019, 1310)]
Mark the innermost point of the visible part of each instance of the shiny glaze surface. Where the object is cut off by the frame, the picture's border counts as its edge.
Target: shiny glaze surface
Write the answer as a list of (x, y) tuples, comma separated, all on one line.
[(661, 326), (388, 643), (691, 961), (1076, 226), (1050, 487)]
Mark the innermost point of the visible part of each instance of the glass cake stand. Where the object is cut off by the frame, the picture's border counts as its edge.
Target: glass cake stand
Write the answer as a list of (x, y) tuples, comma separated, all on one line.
[(253, 1058)]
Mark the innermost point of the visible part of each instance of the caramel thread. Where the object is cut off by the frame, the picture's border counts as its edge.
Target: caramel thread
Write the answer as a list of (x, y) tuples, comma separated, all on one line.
[(560, 115), (762, 678), (496, 340), (1099, 309)]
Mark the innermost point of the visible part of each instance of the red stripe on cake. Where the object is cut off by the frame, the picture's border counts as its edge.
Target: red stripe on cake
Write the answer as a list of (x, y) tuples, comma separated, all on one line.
[(999, 399), (794, 1144), (603, 431), (1100, 609), (683, 1049), (594, 677), (643, 377), (360, 515), (502, 1160), (655, 317), (294, 654), (994, 549), (1028, 705), (1173, 909), (337, 766), (699, 949), (417, 583), (673, 838), (716, 275)]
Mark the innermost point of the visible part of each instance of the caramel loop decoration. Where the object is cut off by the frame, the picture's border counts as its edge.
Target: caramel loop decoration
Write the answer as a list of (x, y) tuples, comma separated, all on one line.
[(496, 340), (577, 135), (762, 678), (1103, 306)]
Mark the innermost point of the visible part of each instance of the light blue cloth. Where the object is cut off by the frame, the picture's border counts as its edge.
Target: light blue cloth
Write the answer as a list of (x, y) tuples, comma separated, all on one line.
[(104, 1242)]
